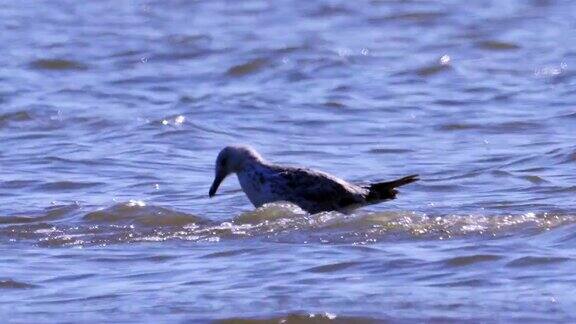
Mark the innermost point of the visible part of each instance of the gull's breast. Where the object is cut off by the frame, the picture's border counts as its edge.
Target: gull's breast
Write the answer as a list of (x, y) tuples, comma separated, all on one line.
[(256, 185)]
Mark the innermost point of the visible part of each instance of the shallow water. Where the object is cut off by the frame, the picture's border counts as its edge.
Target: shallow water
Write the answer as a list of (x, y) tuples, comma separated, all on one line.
[(112, 113)]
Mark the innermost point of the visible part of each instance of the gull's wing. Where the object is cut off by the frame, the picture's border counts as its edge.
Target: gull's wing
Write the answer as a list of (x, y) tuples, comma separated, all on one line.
[(315, 191)]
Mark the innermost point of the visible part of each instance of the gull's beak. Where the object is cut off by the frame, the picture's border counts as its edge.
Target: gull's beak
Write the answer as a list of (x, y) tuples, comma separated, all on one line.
[(217, 181)]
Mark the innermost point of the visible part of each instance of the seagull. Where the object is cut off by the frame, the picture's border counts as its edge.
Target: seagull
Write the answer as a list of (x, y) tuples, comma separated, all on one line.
[(313, 191)]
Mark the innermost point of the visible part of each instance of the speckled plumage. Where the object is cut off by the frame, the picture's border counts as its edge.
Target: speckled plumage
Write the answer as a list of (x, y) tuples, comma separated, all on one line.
[(312, 190)]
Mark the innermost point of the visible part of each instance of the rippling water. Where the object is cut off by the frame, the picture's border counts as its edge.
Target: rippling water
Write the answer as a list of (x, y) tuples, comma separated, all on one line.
[(112, 113)]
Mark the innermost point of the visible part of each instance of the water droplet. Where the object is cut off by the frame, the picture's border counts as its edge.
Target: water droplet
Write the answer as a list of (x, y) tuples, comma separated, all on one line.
[(365, 51), (550, 70), (179, 120), (343, 52), (165, 122), (144, 60), (445, 59), (135, 203)]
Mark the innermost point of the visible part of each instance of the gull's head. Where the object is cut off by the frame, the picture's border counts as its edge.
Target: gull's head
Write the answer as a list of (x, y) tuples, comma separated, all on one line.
[(232, 159)]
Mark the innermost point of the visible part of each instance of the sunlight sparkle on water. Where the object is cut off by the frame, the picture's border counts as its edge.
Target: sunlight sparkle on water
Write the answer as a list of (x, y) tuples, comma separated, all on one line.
[(135, 203), (179, 120), (445, 60)]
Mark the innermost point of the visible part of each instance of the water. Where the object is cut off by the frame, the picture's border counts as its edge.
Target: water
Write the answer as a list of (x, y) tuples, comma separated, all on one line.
[(112, 114)]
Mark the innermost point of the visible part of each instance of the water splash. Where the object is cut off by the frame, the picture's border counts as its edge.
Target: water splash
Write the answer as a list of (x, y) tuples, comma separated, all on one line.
[(135, 221)]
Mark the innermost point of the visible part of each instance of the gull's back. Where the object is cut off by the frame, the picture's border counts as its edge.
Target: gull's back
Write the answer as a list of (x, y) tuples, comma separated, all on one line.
[(312, 190)]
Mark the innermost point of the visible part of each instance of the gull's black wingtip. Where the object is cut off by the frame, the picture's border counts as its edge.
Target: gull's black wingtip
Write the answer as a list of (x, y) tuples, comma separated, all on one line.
[(410, 179), (386, 190), (403, 181)]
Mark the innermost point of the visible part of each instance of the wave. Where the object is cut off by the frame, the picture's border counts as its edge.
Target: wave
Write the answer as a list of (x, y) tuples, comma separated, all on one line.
[(136, 221), (302, 318)]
